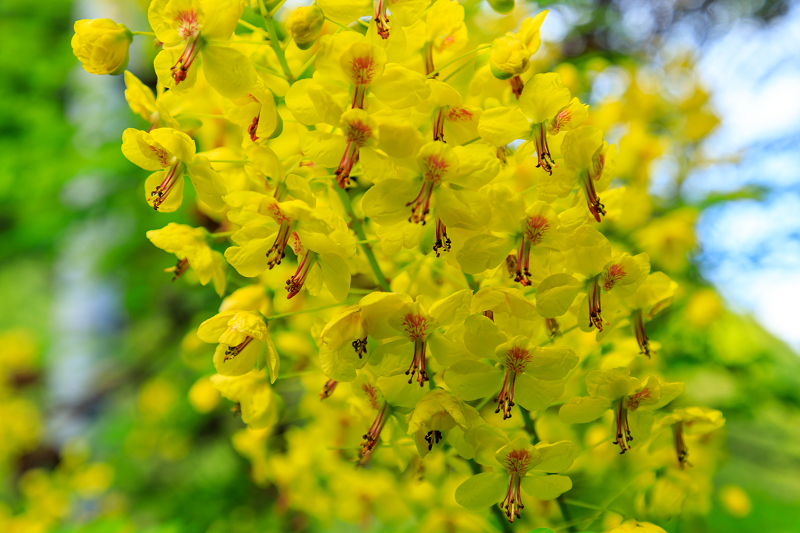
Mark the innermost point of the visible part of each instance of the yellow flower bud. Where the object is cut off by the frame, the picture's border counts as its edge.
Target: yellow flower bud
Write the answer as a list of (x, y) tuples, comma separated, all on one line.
[(101, 45), (304, 25), (508, 57)]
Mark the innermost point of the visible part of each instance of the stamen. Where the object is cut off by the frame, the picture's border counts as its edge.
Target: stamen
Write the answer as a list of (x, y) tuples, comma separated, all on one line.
[(181, 68), (381, 19), (415, 326), (253, 128), (517, 359), (295, 283), (517, 463), (543, 151), (327, 389), (438, 124), (162, 191), (427, 52), (595, 207), (680, 445), (233, 351), (641, 335), (442, 240), (431, 436), (523, 274), (623, 435), (552, 326), (516, 86), (278, 250), (595, 308), (372, 436), (360, 346), (421, 205), (180, 268)]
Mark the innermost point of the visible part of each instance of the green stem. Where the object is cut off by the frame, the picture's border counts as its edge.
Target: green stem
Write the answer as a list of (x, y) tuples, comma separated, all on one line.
[(380, 279), (471, 141), (276, 8), (456, 71), (530, 424), (240, 41), (298, 374), (284, 315), (251, 27), (471, 282), (273, 40), (221, 234), (459, 58), (270, 70), (559, 335), (199, 115), (565, 513), (148, 33)]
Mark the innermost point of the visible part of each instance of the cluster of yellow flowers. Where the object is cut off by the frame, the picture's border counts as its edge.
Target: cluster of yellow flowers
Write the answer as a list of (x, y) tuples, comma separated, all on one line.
[(388, 149), (51, 483)]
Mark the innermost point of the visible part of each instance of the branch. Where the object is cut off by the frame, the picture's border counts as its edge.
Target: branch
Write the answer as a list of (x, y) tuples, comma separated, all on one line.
[(380, 279)]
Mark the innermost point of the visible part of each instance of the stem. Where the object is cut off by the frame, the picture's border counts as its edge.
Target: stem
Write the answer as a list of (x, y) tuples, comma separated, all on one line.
[(148, 33), (284, 315), (276, 8), (297, 374), (251, 27), (221, 234), (471, 141), (459, 58), (561, 335), (273, 40), (359, 231), (530, 424), (474, 285), (566, 514), (456, 71), (199, 115), (270, 70), (241, 41)]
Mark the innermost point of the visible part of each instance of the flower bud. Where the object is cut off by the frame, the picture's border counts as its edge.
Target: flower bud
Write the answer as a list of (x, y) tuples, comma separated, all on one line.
[(508, 57), (502, 6), (304, 25), (101, 45)]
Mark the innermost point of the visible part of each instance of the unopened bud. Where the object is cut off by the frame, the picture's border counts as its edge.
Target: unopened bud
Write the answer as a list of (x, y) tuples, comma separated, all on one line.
[(509, 57), (502, 6), (101, 45), (304, 25)]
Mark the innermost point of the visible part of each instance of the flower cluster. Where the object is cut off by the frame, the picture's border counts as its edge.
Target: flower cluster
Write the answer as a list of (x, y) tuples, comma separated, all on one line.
[(432, 198)]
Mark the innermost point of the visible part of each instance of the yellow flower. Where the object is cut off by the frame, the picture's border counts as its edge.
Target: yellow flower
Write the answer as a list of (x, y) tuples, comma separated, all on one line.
[(101, 45), (190, 246)]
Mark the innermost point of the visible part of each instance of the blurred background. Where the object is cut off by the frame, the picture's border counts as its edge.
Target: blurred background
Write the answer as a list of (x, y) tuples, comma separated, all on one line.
[(98, 428)]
